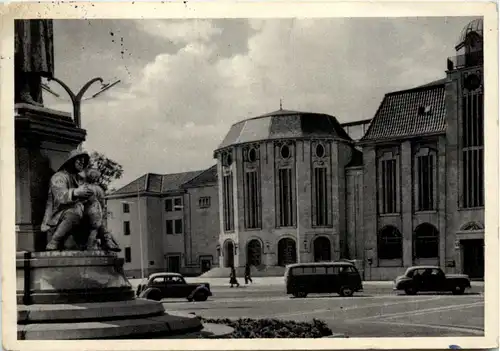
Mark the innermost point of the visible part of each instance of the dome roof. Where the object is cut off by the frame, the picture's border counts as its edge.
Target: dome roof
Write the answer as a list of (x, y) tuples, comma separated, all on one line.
[(475, 26), (284, 124)]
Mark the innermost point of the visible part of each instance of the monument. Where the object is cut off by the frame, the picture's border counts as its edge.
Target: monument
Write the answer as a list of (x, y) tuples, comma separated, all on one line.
[(70, 280)]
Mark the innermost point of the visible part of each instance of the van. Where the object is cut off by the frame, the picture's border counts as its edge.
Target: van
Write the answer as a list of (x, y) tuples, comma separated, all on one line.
[(322, 277)]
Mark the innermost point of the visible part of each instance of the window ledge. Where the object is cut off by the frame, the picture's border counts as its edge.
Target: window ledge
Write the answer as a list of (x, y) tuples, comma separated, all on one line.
[(426, 212), (470, 208), (389, 214)]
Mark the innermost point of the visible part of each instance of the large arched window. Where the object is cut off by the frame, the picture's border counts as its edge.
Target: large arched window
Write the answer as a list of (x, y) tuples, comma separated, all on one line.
[(426, 241), (388, 181), (322, 249), (287, 252), (390, 243), (254, 252), (425, 161)]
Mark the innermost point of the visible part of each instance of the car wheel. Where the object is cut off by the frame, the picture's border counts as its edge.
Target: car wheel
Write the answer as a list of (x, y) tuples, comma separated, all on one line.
[(346, 291), (154, 295), (300, 294), (200, 296), (410, 290), (458, 290)]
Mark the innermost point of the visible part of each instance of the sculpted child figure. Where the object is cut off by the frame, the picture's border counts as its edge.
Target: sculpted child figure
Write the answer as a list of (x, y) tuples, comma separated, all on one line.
[(75, 208), (94, 206)]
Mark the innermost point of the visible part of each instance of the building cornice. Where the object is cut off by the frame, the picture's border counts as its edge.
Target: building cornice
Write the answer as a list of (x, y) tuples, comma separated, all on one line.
[(270, 140), (397, 139)]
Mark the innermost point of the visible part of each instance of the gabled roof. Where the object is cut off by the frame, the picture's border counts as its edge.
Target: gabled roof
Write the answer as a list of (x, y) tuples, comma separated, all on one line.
[(157, 183), (207, 177), (173, 182), (398, 115), (284, 124)]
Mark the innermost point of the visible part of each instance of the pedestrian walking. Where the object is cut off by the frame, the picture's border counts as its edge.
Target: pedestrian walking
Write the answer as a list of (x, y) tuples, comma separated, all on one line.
[(232, 278), (248, 274)]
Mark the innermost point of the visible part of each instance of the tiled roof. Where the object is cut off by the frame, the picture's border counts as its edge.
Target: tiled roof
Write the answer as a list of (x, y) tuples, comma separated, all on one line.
[(398, 115), (284, 124), (206, 177), (158, 183), (172, 182), (133, 187)]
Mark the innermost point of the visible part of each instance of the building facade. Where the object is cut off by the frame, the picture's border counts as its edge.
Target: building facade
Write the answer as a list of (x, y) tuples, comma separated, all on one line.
[(294, 187), (282, 189), (403, 188)]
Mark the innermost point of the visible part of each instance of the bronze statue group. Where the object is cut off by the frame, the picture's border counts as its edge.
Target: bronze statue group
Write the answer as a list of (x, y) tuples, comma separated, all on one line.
[(74, 213)]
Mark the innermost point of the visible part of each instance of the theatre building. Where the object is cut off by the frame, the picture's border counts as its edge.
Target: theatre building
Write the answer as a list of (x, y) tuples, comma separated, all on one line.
[(294, 186), (403, 187)]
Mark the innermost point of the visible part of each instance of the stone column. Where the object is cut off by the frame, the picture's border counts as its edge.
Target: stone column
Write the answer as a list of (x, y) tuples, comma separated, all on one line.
[(441, 200), (43, 139), (370, 225), (406, 203)]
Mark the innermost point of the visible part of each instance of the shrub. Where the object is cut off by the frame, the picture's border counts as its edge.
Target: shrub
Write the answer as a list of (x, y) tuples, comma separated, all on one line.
[(247, 328)]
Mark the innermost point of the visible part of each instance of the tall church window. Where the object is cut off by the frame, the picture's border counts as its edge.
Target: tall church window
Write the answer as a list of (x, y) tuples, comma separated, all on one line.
[(227, 193), (425, 167), (472, 148), (252, 188), (285, 183), (320, 184), (285, 197), (320, 196), (388, 182), (227, 183)]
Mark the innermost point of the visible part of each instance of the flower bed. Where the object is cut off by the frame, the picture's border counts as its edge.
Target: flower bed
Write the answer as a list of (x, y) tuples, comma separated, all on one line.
[(247, 328)]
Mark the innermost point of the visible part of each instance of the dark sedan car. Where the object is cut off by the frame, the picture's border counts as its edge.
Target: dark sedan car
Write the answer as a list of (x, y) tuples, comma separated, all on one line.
[(431, 278), (172, 285)]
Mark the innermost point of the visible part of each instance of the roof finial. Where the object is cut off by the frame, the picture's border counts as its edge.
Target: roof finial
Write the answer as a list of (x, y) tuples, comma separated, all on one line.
[(281, 105)]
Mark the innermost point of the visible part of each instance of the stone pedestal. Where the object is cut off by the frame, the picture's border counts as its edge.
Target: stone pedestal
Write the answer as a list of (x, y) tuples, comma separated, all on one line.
[(85, 295), (43, 140)]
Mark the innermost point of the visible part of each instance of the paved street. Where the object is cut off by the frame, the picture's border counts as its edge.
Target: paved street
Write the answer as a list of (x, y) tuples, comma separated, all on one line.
[(376, 312)]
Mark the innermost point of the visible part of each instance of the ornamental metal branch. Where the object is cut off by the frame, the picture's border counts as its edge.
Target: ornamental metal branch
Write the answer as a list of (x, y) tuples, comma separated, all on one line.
[(76, 100)]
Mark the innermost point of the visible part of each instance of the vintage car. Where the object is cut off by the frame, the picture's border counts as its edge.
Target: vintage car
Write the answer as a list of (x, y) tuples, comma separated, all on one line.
[(431, 278), (342, 278), (172, 285)]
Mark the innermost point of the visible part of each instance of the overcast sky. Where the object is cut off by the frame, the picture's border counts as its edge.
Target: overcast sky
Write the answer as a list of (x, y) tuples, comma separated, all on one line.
[(184, 82)]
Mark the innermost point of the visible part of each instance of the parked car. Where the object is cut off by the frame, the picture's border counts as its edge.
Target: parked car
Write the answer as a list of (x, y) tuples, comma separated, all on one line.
[(172, 285), (322, 277), (431, 278)]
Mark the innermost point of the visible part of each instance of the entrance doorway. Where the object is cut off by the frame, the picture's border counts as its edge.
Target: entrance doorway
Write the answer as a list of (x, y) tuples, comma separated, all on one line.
[(322, 250), (287, 252), (473, 258), (174, 264), (229, 254), (206, 265), (254, 253)]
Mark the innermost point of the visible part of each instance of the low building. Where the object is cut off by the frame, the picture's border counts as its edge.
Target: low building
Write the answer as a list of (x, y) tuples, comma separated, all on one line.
[(167, 222)]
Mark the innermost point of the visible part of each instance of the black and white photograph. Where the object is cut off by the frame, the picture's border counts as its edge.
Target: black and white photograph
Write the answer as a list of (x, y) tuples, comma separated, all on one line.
[(191, 176)]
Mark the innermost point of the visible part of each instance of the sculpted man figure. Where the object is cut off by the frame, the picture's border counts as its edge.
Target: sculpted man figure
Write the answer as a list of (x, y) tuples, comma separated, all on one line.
[(33, 58), (74, 209)]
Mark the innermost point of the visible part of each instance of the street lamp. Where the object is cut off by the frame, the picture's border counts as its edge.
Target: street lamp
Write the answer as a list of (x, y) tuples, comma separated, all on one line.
[(140, 229), (77, 99)]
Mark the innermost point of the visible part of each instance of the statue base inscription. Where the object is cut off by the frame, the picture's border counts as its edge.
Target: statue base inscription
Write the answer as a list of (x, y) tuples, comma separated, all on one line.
[(65, 295)]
